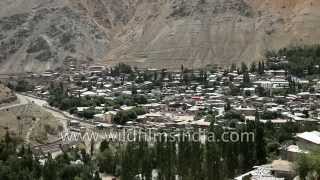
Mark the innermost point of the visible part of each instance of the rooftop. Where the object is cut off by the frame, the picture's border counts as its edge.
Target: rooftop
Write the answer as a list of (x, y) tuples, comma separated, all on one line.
[(313, 136)]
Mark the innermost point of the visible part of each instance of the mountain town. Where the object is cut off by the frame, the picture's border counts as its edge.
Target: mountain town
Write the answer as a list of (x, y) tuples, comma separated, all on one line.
[(277, 100), (159, 90)]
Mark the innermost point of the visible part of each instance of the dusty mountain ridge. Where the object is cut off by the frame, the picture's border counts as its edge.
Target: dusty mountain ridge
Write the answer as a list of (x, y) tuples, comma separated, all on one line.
[(40, 34)]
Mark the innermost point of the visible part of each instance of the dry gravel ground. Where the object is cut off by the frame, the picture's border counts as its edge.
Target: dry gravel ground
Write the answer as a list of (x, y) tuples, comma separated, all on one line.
[(6, 95), (37, 125)]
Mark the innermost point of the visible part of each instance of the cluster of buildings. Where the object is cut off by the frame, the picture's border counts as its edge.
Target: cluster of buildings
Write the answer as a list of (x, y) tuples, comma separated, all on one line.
[(285, 167), (174, 99), (177, 104)]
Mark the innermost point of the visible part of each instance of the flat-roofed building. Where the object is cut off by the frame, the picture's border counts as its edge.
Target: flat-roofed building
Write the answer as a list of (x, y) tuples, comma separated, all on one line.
[(308, 140)]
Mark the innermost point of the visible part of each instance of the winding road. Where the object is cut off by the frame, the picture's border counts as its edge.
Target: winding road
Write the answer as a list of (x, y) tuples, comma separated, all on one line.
[(22, 101), (54, 148), (41, 103)]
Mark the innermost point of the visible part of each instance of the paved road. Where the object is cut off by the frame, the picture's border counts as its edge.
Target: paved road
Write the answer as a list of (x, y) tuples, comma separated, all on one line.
[(54, 148), (56, 114), (41, 103), (22, 101)]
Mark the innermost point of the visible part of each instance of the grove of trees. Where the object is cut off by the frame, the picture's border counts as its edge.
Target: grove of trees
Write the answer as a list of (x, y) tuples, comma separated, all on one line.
[(302, 60), (190, 160), (18, 162)]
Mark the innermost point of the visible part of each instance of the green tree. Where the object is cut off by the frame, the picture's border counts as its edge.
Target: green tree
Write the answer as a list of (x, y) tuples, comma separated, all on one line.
[(244, 68), (107, 161), (261, 67), (260, 141), (233, 67), (246, 79), (306, 164), (104, 145), (253, 67), (50, 169)]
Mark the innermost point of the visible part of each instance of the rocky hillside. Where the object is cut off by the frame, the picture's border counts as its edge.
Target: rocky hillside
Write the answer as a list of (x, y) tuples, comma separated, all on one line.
[(40, 34), (37, 35)]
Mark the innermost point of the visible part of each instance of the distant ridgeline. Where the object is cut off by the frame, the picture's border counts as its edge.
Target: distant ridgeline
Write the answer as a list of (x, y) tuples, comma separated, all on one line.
[(299, 61)]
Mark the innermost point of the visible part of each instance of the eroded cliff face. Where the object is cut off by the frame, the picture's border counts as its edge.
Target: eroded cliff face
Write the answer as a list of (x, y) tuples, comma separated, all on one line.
[(37, 35)]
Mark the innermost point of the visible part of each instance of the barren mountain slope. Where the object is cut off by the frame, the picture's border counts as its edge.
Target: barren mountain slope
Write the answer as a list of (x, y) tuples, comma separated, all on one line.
[(37, 35), (197, 33)]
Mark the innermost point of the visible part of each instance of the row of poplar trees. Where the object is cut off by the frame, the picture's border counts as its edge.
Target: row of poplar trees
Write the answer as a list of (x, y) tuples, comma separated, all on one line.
[(188, 160)]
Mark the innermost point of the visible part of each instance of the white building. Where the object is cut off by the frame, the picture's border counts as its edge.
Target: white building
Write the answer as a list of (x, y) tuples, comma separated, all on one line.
[(309, 140)]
